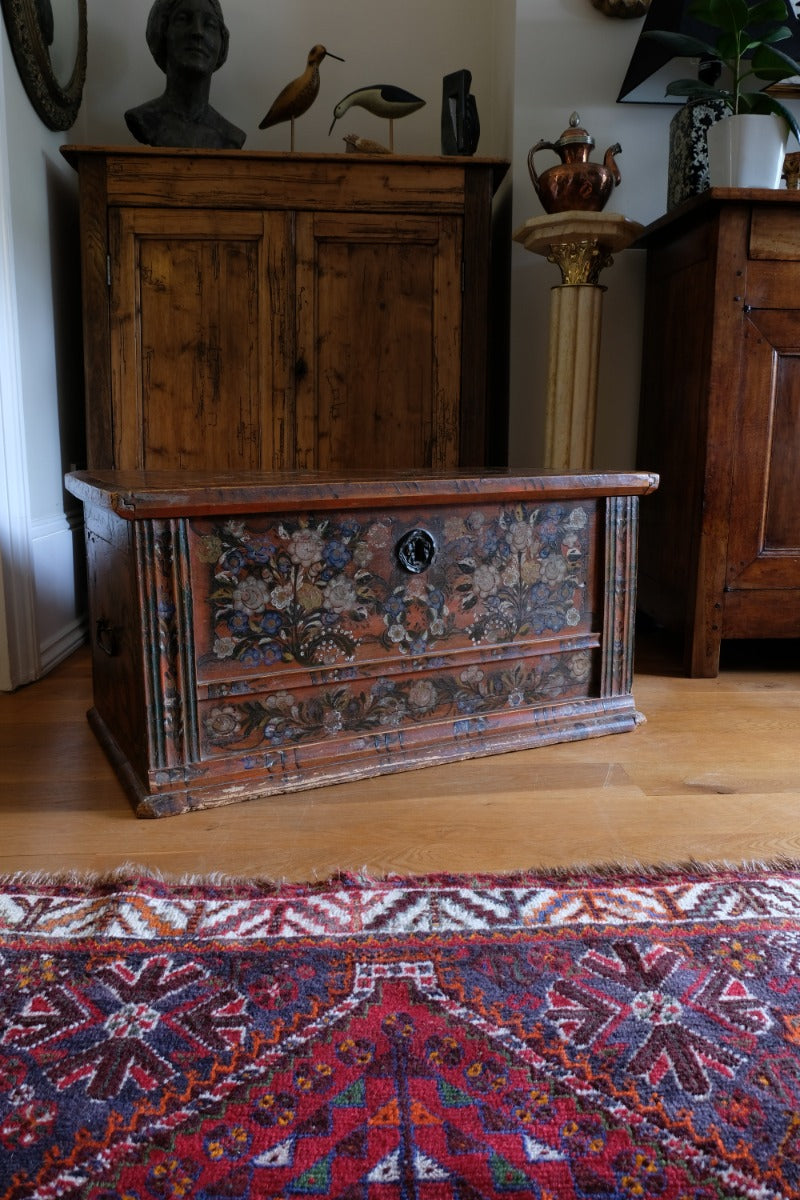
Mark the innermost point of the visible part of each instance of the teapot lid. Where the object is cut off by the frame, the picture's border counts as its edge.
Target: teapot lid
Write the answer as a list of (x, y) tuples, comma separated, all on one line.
[(575, 135)]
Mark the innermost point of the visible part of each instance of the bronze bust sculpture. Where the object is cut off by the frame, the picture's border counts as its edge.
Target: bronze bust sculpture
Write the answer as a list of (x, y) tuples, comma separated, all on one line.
[(189, 41)]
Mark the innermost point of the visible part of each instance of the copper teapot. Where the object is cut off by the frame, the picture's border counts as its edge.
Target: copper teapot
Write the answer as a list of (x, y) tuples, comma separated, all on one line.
[(575, 183)]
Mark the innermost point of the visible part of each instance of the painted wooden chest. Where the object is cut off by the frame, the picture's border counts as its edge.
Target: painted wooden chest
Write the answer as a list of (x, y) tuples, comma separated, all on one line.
[(261, 634)]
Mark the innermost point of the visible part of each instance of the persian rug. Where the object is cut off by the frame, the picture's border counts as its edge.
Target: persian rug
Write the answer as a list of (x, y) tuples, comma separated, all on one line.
[(584, 1035)]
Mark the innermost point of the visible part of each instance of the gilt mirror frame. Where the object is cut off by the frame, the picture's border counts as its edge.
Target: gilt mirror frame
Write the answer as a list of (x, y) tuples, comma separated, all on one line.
[(30, 32)]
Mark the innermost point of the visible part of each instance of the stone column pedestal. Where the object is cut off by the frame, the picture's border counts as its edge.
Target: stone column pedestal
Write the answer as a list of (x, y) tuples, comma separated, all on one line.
[(581, 244)]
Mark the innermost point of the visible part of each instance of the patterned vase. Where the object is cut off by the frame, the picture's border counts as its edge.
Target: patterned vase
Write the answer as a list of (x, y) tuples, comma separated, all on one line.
[(688, 148)]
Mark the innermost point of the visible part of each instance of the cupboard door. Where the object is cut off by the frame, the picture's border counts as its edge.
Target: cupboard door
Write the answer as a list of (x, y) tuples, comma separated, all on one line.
[(378, 340), (201, 336), (764, 543)]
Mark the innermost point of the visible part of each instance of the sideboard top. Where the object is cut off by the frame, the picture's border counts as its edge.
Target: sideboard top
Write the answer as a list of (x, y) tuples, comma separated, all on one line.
[(127, 157), (145, 494)]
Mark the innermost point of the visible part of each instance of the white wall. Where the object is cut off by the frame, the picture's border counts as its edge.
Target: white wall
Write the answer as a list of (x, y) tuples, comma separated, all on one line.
[(569, 56), (42, 387), (412, 44)]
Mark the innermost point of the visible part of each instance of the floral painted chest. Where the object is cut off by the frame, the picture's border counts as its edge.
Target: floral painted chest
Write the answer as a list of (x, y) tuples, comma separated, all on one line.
[(261, 634)]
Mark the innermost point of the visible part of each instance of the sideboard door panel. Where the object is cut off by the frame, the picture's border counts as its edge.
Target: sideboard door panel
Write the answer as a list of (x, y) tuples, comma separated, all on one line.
[(764, 547), (189, 310), (379, 340)]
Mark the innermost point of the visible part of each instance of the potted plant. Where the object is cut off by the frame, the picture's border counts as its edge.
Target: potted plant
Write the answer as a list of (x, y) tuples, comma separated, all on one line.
[(747, 147)]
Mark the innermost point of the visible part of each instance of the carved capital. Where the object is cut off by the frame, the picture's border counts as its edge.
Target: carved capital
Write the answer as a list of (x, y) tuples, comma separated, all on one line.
[(580, 262)]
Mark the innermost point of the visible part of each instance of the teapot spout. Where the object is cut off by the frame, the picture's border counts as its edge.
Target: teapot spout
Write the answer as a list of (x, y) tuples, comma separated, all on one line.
[(608, 161)]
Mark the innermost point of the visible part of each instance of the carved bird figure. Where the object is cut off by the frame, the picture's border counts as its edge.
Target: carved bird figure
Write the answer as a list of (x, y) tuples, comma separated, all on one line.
[(298, 96), (359, 145), (382, 100)]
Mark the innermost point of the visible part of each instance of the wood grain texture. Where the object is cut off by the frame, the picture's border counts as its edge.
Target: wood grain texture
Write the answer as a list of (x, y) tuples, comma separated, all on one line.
[(714, 774), (282, 651), (268, 311), (720, 548)]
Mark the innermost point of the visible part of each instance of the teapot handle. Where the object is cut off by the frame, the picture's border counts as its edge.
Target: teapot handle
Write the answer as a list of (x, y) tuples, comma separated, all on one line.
[(542, 145)]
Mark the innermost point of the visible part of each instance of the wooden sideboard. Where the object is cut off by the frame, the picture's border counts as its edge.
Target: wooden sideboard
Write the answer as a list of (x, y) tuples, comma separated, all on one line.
[(256, 634), (720, 421), (257, 311)]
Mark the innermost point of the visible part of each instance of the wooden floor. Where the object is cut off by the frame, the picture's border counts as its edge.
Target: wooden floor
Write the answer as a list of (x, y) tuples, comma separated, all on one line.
[(713, 774)]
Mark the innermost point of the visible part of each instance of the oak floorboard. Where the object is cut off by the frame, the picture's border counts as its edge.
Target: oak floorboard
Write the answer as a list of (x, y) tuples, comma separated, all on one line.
[(713, 774)]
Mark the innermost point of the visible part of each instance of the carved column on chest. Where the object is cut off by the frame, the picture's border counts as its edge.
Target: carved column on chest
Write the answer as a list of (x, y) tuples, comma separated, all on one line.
[(581, 245)]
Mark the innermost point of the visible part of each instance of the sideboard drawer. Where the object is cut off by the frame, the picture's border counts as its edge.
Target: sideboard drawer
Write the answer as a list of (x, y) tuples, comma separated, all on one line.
[(292, 635)]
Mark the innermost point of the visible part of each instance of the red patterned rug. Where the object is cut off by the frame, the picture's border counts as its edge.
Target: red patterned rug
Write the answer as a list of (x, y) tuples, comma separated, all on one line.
[(568, 1036)]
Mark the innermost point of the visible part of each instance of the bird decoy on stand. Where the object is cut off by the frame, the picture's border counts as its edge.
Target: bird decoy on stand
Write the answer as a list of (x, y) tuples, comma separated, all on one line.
[(298, 96), (382, 100)]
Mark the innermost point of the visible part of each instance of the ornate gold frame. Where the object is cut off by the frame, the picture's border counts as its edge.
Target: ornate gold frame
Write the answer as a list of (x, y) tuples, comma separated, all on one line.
[(57, 105)]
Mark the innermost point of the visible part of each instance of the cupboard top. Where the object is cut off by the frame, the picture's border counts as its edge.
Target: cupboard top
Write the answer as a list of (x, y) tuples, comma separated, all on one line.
[(145, 494), (239, 178)]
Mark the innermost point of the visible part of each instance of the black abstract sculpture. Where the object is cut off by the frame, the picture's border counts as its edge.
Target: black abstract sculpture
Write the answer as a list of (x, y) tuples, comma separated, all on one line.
[(461, 129)]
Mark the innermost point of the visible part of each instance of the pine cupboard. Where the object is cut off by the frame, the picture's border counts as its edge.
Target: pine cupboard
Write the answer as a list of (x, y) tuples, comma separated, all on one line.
[(255, 311), (720, 421)]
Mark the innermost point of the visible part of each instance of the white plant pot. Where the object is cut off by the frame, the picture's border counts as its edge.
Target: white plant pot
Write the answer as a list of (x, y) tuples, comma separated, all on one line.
[(747, 151)]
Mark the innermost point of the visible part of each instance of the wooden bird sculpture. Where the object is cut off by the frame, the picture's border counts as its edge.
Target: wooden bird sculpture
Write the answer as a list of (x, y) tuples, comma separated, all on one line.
[(382, 100), (298, 96)]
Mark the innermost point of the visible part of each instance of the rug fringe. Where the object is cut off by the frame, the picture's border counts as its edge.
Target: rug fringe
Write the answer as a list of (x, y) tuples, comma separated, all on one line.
[(130, 874)]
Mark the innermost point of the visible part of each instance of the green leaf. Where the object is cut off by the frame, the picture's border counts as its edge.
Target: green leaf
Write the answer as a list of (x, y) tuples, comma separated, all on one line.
[(730, 15), (766, 11), (773, 65), (681, 45), (695, 89), (762, 102)]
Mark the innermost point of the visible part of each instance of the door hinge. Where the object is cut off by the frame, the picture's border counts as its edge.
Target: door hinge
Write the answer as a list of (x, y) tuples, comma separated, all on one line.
[(108, 270), (463, 276)]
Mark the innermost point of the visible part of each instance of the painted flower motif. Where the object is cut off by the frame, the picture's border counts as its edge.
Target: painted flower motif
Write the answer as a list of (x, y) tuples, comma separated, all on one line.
[(579, 665), (210, 548), (252, 595), (224, 647), (396, 633), (485, 581), (223, 723), (572, 617), (578, 519), (341, 595), (309, 597), (306, 547), (519, 536), (555, 569), (422, 696), (531, 571), (337, 555), (333, 721), (472, 676), (281, 597), (378, 534), (362, 554)]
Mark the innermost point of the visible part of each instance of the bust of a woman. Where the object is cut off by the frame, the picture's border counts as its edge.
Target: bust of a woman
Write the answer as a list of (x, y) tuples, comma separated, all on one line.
[(189, 41)]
